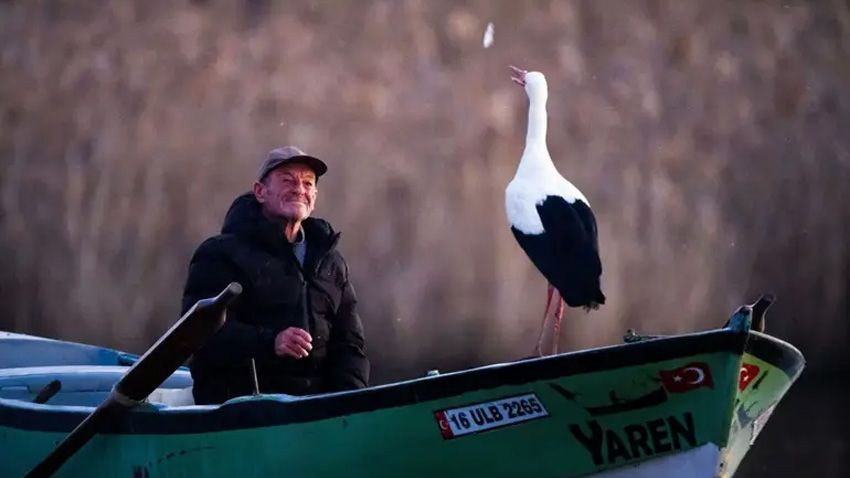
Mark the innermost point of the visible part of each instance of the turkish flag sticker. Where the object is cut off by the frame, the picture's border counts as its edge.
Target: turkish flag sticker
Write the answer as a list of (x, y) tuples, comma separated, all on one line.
[(686, 378), (748, 373), (445, 428)]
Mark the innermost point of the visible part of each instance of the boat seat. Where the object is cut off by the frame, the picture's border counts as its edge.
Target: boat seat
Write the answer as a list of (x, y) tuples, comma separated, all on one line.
[(172, 397)]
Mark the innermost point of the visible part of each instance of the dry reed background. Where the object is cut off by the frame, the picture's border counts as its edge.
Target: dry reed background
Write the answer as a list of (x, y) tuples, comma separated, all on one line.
[(711, 138), (708, 139)]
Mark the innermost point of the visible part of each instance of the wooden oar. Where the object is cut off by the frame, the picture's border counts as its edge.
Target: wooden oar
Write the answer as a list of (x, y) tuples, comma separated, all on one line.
[(160, 361)]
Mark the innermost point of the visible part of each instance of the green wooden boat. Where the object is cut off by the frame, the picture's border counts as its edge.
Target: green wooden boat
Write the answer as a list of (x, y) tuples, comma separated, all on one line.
[(684, 405)]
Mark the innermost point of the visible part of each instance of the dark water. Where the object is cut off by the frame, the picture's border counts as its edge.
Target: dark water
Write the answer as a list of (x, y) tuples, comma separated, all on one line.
[(808, 434)]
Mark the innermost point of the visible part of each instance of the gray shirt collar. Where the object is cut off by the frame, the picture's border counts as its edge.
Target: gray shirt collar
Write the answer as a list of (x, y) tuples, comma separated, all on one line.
[(299, 247)]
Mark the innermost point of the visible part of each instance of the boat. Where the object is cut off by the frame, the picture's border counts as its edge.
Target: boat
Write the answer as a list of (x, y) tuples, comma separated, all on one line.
[(653, 406)]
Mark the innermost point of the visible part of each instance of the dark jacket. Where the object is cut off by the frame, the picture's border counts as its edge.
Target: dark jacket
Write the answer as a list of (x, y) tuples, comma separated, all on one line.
[(277, 293)]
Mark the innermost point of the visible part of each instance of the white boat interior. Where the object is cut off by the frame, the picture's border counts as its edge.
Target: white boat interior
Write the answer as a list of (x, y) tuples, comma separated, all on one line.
[(87, 385)]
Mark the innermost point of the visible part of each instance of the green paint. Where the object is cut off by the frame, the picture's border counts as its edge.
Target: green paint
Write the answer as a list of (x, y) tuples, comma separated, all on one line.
[(753, 407), (596, 421)]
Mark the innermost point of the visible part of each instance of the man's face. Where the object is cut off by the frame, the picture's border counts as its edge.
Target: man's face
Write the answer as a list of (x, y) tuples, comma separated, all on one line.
[(288, 192)]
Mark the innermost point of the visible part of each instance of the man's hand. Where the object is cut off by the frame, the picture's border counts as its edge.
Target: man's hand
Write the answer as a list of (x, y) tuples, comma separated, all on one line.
[(293, 342)]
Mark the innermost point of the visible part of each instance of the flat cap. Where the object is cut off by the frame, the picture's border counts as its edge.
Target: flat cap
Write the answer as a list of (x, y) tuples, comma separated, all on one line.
[(287, 155)]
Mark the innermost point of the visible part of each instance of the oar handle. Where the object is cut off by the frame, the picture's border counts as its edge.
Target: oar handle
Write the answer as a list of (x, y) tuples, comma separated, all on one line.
[(173, 349), (183, 339)]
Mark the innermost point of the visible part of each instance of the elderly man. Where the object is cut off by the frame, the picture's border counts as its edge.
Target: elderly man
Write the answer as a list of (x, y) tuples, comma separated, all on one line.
[(297, 316)]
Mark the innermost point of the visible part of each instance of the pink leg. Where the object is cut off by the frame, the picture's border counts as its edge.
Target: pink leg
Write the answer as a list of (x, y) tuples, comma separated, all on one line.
[(539, 349), (556, 333)]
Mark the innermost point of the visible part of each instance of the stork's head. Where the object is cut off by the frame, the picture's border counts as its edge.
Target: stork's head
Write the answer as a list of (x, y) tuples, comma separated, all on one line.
[(533, 81)]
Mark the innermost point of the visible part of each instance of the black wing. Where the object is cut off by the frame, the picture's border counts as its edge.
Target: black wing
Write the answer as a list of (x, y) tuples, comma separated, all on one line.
[(569, 224), (567, 254)]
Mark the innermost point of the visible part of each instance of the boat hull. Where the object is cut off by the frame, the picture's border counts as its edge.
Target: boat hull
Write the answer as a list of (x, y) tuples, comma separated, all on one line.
[(651, 407)]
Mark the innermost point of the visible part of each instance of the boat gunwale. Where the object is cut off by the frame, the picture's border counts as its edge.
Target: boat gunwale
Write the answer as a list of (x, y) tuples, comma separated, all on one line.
[(274, 410), (776, 352)]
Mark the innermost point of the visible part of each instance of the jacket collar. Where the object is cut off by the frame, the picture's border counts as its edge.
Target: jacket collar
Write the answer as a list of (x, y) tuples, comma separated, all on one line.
[(245, 219)]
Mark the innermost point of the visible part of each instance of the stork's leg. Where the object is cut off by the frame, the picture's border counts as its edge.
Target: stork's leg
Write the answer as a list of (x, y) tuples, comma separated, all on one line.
[(556, 328), (538, 350)]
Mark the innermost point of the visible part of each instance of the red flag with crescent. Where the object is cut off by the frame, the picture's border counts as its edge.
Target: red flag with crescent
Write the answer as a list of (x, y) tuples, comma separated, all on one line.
[(748, 373), (686, 378), (445, 428)]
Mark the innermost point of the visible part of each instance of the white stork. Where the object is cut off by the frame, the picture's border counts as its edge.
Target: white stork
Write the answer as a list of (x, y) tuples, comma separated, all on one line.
[(551, 219)]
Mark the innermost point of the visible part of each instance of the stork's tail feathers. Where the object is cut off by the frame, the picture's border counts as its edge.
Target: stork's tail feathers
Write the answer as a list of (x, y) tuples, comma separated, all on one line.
[(595, 303), (592, 306), (600, 299)]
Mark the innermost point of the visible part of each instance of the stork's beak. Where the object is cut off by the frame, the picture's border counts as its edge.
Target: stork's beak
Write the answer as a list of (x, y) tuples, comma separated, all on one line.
[(517, 75)]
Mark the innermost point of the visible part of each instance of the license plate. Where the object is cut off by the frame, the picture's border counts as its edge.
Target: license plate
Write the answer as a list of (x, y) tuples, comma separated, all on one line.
[(456, 422)]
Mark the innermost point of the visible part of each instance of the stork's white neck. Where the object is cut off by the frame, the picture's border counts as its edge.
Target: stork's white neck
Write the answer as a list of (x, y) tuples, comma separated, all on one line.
[(535, 161), (536, 135)]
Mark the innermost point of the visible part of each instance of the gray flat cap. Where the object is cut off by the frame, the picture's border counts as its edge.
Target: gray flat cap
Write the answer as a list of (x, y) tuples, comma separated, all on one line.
[(287, 155)]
